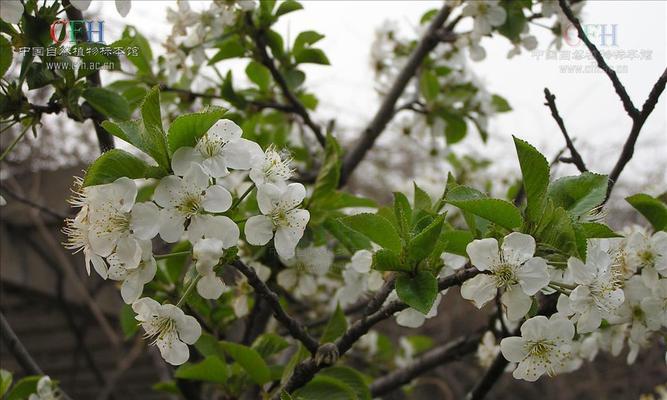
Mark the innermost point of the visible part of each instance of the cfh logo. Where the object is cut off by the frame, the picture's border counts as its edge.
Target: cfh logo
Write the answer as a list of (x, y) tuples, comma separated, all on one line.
[(61, 27), (603, 35)]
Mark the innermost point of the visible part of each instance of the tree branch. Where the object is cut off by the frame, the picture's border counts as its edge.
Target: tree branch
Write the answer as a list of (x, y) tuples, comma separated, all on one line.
[(104, 139), (433, 358), (306, 370), (293, 326), (576, 157), (267, 61), (386, 111)]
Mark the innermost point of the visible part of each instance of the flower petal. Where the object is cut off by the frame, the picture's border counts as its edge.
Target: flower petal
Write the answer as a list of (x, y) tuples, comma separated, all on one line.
[(258, 230), (217, 199), (533, 275), (483, 253), (518, 247), (183, 159), (145, 222), (481, 289)]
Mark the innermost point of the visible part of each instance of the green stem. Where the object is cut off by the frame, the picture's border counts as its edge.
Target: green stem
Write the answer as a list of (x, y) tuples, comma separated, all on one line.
[(243, 196), (191, 286), (14, 143), (563, 285), (178, 253)]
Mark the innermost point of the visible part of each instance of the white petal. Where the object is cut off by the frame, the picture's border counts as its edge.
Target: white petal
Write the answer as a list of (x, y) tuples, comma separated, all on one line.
[(171, 225), (188, 329), (293, 196), (195, 180), (410, 318), (529, 370), (145, 307), (124, 192), (517, 303), (307, 285), (131, 290), (99, 265), (287, 278), (217, 199), (533, 275), (214, 226), (210, 286), (560, 328), (268, 195), (286, 240), (361, 261), (173, 350), (481, 289), (535, 328), (513, 348), (168, 191), (129, 251), (483, 253), (145, 221), (80, 4), (242, 153), (225, 130), (589, 321), (258, 230), (183, 158), (216, 166), (496, 16), (581, 273), (518, 247)]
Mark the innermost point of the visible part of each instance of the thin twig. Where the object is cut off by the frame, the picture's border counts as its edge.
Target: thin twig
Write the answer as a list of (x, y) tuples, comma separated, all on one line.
[(293, 326), (32, 204), (576, 157), (435, 357), (387, 109)]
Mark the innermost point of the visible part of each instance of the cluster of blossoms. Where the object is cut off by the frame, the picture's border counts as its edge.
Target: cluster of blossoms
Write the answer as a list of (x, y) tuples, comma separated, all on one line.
[(46, 390), (617, 296), (115, 232)]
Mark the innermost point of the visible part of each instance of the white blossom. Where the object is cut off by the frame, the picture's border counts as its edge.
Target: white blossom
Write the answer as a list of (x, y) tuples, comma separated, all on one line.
[(46, 390), (486, 14), (281, 218), (303, 269), (11, 11), (513, 269), (271, 168), (219, 149), (133, 279), (122, 6), (544, 347), (648, 252), (411, 318), (207, 254), (487, 350), (168, 327)]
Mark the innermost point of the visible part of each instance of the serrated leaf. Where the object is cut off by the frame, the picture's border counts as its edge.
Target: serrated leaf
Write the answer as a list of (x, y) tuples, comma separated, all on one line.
[(305, 39), (654, 210), (336, 326), (497, 211), (403, 213), (212, 369), (535, 171), (456, 241), (579, 194), (351, 239), (424, 242), (500, 104), (418, 291), (351, 377), (186, 130), (329, 173), (117, 163), (422, 200), (311, 56), (288, 6), (250, 360), (325, 388), (376, 228), (387, 260), (6, 55), (231, 47), (209, 345), (596, 230), (269, 344)]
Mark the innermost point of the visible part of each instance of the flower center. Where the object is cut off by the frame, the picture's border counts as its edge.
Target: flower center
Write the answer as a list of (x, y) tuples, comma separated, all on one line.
[(647, 258), (210, 147), (279, 217), (190, 205), (505, 275), (159, 327)]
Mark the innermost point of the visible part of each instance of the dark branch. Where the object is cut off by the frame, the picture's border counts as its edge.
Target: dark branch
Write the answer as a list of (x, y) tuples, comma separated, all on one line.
[(386, 111), (104, 139), (307, 369), (293, 326), (32, 204), (602, 64), (433, 358), (576, 157), (267, 61)]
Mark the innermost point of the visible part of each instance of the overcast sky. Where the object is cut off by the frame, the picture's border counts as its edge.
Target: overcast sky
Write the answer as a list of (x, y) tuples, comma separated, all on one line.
[(593, 113)]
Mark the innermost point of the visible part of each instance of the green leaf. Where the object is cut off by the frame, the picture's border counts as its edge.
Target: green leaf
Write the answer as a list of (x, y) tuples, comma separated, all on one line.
[(535, 171), (497, 211), (654, 210), (387, 260), (340, 200), (5, 381), (429, 85), (556, 230), (228, 93), (423, 243), (23, 388), (336, 326), (376, 228), (288, 6), (455, 127), (259, 74), (6, 55), (579, 194), (186, 130), (212, 369), (144, 57), (351, 377), (109, 103), (351, 239), (311, 56), (300, 355), (514, 22), (209, 345), (269, 344), (422, 200), (305, 39), (329, 174), (596, 230), (456, 241), (250, 360), (403, 213), (128, 323), (500, 104), (153, 136), (117, 163), (325, 388), (418, 291), (231, 47)]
